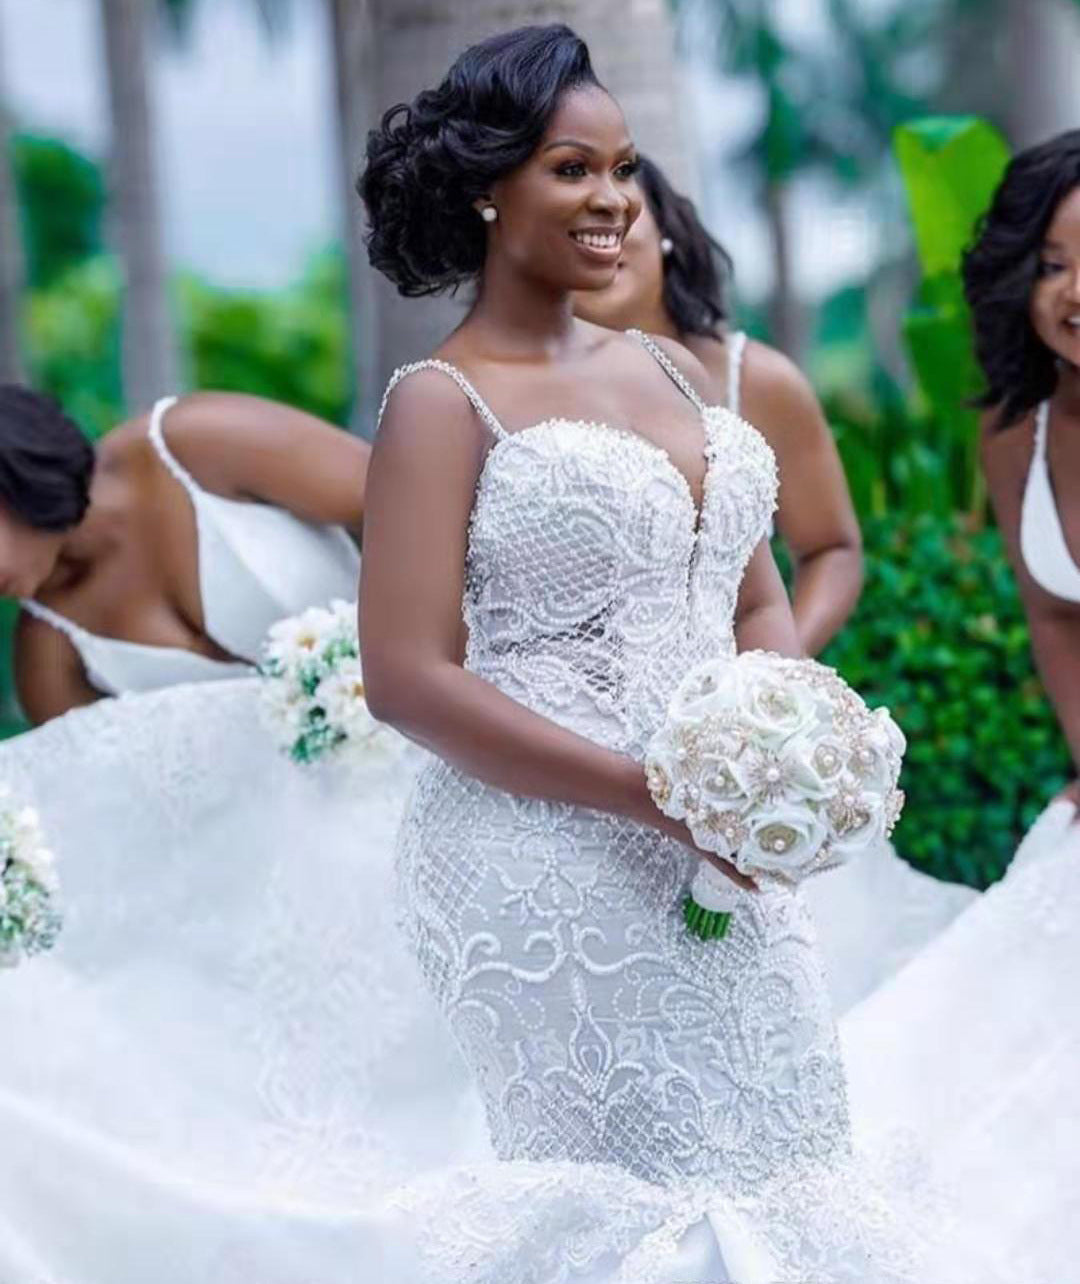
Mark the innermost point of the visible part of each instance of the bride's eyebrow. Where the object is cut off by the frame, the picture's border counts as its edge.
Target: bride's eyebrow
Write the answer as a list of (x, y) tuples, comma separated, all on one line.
[(569, 142), (628, 146)]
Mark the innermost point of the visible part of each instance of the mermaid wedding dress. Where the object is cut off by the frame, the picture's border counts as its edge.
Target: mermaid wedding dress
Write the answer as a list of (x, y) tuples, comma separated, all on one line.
[(664, 1110), (699, 1083), (233, 1068)]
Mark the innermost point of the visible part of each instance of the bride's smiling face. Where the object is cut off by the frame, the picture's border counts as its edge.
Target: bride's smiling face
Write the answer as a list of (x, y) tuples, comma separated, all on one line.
[(564, 213), (1055, 300), (637, 291)]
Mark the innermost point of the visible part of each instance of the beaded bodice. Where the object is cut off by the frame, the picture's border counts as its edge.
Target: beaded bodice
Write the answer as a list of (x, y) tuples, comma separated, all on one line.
[(592, 580)]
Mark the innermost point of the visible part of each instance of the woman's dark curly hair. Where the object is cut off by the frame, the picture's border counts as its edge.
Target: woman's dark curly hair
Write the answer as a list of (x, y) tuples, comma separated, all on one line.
[(45, 461), (431, 159), (698, 269), (1001, 269)]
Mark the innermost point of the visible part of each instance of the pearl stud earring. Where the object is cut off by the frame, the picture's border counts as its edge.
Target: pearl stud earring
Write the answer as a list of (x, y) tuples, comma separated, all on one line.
[(666, 245), (489, 213)]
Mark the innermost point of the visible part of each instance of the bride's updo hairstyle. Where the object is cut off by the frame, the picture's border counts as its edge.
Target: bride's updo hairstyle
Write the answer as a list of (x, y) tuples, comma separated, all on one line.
[(45, 462), (1001, 269), (430, 159)]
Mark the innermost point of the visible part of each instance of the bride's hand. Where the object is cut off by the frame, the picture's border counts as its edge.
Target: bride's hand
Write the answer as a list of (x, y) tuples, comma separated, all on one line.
[(678, 830)]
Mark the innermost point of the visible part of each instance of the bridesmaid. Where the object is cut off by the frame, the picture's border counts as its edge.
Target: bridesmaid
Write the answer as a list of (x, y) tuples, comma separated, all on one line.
[(164, 554), (1022, 280), (671, 281)]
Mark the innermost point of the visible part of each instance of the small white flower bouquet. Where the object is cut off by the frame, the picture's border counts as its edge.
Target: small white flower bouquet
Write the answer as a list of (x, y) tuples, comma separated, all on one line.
[(29, 918), (312, 697), (777, 765)]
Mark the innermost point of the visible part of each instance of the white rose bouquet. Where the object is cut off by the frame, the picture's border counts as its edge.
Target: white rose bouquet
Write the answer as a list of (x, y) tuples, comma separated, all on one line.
[(777, 765), (29, 918), (312, 697)]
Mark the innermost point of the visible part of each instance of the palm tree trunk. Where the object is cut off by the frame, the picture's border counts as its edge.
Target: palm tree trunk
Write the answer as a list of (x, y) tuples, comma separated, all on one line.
[(356, 82), (148, 353), (632, 43), (11, 262), (785, 314), (1042, 52)]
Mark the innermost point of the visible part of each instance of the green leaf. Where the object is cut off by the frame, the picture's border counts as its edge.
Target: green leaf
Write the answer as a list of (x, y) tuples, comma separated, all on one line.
[(950, 166)]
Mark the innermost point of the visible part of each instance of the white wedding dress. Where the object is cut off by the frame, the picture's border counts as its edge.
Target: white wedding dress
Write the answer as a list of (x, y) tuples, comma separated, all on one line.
[(664, 1109), (232, 1069)]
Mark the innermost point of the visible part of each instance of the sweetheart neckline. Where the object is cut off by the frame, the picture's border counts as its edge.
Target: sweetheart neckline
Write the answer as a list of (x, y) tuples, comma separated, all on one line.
[(708, 451)]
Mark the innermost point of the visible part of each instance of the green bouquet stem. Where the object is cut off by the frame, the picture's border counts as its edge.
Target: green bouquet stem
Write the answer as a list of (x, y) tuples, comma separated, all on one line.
[(707, 925)]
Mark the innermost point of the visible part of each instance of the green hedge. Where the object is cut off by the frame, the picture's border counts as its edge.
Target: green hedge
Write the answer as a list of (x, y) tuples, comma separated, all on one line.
[(939, 636)]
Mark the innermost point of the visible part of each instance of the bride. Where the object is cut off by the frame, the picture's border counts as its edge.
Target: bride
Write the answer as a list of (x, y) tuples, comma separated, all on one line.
[(233, 1076), (663, 1109)]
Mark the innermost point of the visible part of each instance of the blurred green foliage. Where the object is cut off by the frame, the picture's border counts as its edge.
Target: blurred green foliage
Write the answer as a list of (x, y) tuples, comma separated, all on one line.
[(289, 345), (61, 197), (10, 717), (73, 342), (950, 166)]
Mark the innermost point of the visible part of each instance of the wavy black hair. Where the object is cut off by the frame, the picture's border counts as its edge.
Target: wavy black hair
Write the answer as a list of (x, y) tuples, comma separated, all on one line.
[(1000, 271), (697, 270), (45, 462), (430, 159)]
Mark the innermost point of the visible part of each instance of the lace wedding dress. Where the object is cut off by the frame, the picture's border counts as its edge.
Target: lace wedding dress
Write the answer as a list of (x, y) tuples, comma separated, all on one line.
[(702, 1081), (235, 1067)]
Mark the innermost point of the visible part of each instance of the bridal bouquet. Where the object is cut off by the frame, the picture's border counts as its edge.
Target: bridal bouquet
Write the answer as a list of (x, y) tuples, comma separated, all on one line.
[(312, 697), (777, 765), (29, 919)]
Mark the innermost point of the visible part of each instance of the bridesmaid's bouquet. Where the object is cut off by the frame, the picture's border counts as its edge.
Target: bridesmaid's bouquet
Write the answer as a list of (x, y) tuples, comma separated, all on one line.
[(312, 698), (29, 918), (777, 765)]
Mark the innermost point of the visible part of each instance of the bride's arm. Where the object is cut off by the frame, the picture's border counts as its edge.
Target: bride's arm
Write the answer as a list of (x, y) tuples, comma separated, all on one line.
[(423, 474), (763, 618)]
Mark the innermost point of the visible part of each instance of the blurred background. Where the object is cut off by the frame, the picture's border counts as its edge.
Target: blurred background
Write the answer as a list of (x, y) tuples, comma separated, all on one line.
[(177, 210)]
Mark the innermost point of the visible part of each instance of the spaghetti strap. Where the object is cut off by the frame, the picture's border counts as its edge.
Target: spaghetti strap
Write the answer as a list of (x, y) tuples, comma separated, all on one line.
[(670, 368), (157, 439), (1042, 422), (47, 615), (736, 352), (478, 403)]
